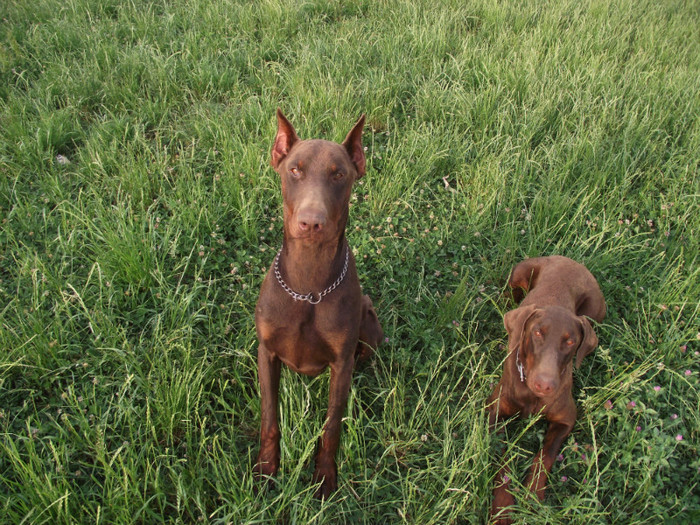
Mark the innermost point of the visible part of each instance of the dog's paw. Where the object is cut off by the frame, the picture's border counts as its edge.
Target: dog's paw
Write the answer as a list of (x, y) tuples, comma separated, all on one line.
[(502, 501), (265, 469), (328, 479), (503, 520)]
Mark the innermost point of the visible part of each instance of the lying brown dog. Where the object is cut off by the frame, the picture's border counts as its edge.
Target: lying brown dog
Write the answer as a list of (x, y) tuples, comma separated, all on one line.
[(545, 333), (311, 313)]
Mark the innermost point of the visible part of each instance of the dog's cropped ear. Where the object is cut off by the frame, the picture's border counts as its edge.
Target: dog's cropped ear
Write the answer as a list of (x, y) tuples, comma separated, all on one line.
[(515, 321), (285, 139), (588, 342), (353, 144)]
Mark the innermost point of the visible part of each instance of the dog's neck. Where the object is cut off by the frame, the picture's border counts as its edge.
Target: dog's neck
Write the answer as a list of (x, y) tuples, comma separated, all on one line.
[(513, 372), (312, 266)]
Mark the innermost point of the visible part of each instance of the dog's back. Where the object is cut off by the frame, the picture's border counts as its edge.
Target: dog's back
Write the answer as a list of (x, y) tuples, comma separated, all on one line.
[(558, 280)]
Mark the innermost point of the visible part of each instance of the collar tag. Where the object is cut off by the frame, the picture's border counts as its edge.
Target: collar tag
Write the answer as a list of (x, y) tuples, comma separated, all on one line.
[(519, 366)]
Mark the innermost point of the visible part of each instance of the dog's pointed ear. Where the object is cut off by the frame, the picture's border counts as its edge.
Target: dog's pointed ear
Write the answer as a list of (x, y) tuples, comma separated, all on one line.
[(588, 342), (353, 144), (514, 322), (285, 139)]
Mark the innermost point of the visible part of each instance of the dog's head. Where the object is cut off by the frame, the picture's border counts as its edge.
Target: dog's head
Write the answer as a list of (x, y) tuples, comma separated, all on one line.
[(548, 339), (317, 178)]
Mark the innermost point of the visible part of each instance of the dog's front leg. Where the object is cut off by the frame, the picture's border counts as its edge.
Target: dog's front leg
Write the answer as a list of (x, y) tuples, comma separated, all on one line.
[(268, 461), (500, 408), (537, 479), (503, 500), (326, 471)]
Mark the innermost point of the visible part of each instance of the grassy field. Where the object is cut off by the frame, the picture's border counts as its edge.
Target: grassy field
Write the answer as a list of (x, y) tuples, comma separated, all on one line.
[(138, 215)]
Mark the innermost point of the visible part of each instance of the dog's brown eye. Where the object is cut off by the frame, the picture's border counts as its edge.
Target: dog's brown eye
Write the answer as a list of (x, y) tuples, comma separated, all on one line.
[(338, 175), (296, 172), (538, 333), (569, 342)]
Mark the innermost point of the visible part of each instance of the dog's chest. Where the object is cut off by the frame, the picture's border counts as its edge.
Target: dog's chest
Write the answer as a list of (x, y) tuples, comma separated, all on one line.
[(527, 404), (306, 340), (524, 402), (301, 348)]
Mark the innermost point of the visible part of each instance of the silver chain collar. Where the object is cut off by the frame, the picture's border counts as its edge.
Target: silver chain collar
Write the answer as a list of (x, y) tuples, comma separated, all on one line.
[(309, 297)]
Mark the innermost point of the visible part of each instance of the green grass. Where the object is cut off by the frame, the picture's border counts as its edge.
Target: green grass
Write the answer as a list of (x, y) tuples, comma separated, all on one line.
[(138, 215)]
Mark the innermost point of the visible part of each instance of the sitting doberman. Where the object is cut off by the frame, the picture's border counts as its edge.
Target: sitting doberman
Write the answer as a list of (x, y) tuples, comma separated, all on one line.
[(311, 313), (545, 333)]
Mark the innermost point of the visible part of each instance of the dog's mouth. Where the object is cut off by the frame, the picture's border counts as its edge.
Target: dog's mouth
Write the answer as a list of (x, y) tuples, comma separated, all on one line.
[(538, 391), (311, 236)]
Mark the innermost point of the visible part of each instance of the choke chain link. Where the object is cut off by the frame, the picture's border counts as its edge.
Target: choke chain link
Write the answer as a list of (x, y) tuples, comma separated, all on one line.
[(309, 297)]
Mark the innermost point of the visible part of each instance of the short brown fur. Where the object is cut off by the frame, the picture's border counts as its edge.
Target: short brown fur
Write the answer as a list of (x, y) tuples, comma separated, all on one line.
[(317, 178), (546, 333)]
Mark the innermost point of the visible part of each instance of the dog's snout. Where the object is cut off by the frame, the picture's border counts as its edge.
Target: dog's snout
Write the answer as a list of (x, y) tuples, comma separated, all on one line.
[(310, 220), (543, 384)]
